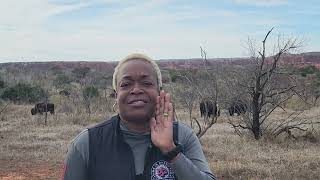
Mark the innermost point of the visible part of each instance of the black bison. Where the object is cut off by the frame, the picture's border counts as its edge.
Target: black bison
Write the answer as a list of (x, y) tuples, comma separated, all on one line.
[(237, 107), (41, 108), (64, 93), (209, 108)]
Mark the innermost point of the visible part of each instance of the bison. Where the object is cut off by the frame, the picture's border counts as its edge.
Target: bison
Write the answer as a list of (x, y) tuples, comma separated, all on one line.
[(43, 107), (209, 108), (64, 93), (237, 107)]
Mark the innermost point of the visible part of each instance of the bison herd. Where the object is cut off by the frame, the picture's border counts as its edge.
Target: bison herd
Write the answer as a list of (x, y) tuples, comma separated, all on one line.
[(210, 108)]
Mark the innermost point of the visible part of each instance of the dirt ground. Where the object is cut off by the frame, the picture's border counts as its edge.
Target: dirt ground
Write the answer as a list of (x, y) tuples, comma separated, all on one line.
[(29, 149), (11, 170)]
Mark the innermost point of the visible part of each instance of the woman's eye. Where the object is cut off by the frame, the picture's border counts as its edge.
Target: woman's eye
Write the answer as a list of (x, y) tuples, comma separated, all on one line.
[(147, 83), (125, 84)]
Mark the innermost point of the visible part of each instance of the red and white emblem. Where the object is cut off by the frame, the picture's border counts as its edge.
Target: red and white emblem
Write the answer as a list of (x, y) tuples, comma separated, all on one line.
[(161, 170)]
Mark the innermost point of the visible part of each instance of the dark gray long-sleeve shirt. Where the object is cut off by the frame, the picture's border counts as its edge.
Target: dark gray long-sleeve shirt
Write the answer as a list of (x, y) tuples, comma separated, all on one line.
[(189, 165)]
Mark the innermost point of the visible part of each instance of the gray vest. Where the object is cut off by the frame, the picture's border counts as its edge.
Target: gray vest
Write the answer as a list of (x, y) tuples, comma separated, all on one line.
[(111, 158)]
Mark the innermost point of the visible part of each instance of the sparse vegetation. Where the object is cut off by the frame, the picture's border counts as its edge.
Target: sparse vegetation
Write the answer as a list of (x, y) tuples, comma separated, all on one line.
[(61, 81), (32, 150), (311, 84), (88, 94), (24, 138)]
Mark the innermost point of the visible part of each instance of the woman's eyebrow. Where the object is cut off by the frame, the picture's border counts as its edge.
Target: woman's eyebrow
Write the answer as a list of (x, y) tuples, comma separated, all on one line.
[(145, 76), (128, 77)]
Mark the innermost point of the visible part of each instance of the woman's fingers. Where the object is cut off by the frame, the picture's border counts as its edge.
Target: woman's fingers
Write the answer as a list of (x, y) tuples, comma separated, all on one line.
[(164, 108), (166, 104), (153, 124), (170, 112), (162, 95), (158, 109)]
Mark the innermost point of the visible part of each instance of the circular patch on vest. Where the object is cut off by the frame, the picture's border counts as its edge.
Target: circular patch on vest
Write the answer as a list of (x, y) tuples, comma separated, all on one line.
[(161, 170)]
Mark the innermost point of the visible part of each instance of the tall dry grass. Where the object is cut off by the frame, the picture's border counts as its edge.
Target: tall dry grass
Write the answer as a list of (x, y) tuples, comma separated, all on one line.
[(25, 138)]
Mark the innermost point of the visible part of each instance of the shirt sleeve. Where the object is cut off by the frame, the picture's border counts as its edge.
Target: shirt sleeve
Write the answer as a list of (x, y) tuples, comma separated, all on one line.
[(191, 164), (76, 160)]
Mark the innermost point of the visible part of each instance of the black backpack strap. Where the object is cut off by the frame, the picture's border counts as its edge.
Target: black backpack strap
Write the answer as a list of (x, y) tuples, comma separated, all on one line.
[(175, 132)]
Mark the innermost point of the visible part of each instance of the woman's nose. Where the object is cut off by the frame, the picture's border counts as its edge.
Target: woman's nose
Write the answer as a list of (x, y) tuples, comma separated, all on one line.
[(136, 89)]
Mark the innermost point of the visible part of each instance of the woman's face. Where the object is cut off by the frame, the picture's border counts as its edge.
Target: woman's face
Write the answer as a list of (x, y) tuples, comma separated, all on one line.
[(137, 90)]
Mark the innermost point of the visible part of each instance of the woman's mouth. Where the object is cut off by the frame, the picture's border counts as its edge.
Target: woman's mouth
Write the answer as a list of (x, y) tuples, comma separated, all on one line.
[(137, 103)]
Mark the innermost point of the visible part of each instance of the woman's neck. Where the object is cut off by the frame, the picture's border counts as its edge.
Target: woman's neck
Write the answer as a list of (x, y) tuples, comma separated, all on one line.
[(136, 127)]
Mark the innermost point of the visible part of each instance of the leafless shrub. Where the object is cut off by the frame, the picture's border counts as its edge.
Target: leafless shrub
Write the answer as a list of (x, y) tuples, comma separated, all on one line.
[(194, 86), (268, 86)]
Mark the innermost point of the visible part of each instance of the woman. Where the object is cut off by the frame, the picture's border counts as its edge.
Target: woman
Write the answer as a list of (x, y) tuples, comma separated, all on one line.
[(142, 141)]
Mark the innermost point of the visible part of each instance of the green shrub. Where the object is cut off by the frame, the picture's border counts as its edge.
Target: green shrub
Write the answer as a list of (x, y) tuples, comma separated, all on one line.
[(24, 93), (308, 70)]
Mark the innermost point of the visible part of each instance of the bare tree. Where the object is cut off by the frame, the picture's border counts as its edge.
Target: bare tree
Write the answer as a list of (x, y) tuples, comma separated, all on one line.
[(268, 86), (81, 75), (89, 93), (197, 85)]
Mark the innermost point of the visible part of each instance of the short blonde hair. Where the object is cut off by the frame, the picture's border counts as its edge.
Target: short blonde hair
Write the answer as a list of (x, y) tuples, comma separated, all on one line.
[(137, 56)]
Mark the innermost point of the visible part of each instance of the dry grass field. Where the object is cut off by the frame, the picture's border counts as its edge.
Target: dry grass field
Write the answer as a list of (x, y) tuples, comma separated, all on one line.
[(31, 150)]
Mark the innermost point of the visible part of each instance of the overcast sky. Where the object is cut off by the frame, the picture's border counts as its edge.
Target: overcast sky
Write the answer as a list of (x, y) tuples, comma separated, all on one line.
[(103, 30)]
